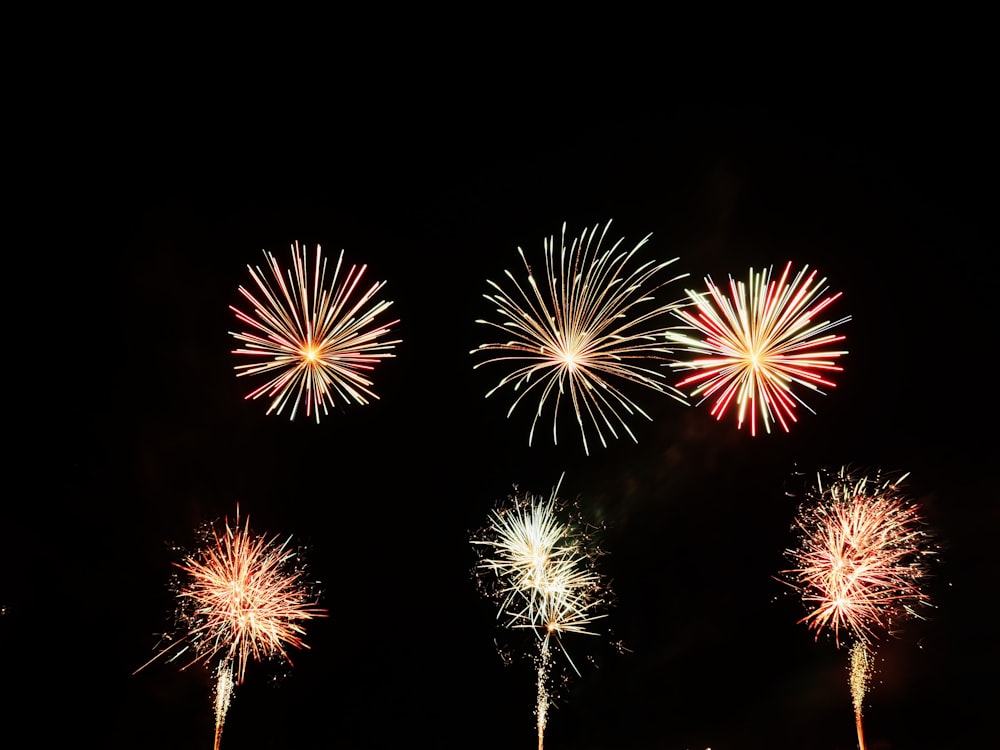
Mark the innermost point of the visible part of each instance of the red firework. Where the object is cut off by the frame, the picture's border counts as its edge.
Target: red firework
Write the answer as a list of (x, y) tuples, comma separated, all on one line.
[(759, 346)]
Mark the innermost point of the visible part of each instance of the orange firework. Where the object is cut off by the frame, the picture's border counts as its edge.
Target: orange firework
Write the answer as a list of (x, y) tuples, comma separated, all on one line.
[(316, 342), (759, 345), (245, 598), (859, 566), (242, 596)]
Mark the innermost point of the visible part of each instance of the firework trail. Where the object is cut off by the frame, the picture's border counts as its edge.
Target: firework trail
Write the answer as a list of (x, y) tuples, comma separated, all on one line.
[(585, 327), (223, 697), (759, 344), (862, 556), (859, 676), (241, 597), (540, 570), (315, 342)]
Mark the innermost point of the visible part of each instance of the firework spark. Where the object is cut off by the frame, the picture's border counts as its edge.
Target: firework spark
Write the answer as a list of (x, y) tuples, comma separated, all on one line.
[(860, 675), (591, 324), (223, 697), (241, 597), (317, 341), (862, 557), (540, 569), (759, 345)]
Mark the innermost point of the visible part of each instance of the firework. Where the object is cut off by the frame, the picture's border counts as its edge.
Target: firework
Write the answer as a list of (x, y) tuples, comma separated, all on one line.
[(759, 346), (540, 569), (241, 597), (313, 341), (862, 556), (588, 326)]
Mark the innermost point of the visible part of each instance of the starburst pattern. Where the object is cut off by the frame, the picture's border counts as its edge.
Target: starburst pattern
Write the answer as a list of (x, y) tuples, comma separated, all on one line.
[(244, 597), (863, 554), (241, 597), (316, 342), (584, 331), (540, 569), (760, 345)]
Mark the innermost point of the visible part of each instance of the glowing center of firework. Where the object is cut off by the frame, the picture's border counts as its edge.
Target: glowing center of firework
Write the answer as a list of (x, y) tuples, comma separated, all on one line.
[(569, 357), (310, 353)]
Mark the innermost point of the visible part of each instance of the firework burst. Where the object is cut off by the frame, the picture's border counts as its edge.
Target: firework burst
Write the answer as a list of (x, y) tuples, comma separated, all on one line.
[(539, 567), (588, 326), (313, 341), (863, 554), (759, 345), (241, 597)]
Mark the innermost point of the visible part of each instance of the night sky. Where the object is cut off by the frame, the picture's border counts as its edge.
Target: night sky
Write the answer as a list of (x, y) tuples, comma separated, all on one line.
[(141, 432)]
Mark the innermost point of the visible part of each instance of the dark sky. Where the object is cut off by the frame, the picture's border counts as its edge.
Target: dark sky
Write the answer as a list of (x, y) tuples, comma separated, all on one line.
[(162, 200)]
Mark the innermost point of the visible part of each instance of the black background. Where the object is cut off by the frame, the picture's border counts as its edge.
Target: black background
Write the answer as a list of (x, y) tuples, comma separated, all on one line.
[(143, 198)]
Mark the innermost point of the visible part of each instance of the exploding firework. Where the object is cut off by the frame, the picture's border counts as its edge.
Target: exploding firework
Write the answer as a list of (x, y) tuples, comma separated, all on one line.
[(313, 341), (760, 345), (588, 326), (863, 554), (538, 565), (241, 597)]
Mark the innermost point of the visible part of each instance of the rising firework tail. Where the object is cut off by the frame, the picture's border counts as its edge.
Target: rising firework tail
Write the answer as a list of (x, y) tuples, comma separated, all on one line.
[(223, 697), (314, 341), (241, 597), (859, 676), (587, 331), (862, 557), (538, 564), (756, 348)]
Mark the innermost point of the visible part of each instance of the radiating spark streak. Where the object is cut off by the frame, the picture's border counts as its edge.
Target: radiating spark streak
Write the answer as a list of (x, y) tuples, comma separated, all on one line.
[(317, 341), (760, 344), (587, 326), (540, 570)]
